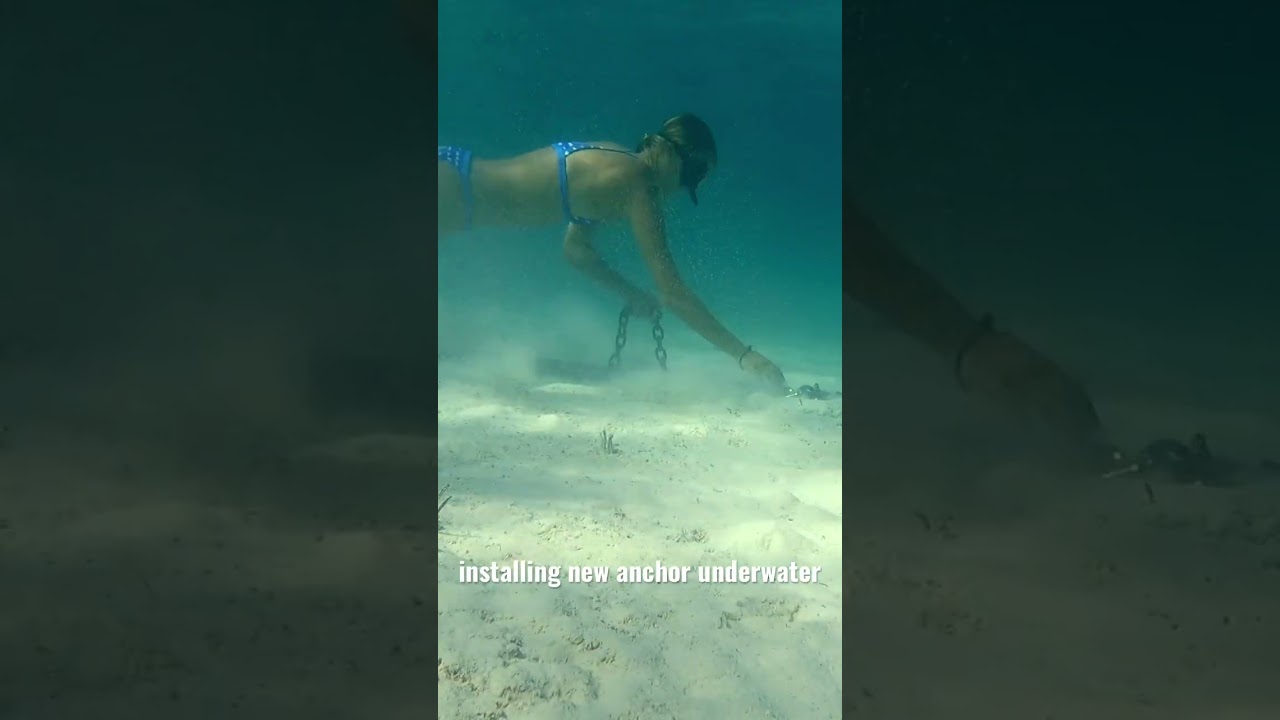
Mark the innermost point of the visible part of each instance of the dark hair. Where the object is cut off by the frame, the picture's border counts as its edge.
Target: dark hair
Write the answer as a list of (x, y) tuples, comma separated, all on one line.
[(691, 138)]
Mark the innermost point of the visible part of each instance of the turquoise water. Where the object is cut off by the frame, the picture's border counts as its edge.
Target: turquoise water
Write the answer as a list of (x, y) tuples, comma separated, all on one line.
[(763, 247)]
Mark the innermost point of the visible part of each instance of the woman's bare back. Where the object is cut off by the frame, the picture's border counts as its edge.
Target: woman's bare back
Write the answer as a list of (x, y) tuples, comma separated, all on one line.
[(525, 190)]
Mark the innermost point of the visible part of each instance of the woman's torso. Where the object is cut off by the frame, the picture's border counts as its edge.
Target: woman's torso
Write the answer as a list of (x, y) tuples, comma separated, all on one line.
[(527, 189)]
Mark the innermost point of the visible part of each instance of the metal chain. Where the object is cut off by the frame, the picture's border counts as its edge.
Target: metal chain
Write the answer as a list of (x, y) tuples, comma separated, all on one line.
[(658, 334), (620, 341)]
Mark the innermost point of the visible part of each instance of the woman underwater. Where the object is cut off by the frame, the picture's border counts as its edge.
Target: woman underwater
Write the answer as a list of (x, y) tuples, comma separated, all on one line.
[(585, 184)]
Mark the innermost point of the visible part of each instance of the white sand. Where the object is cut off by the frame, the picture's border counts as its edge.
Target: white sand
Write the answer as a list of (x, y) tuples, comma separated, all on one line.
[(174, 544), (985, 584), (706, 473)]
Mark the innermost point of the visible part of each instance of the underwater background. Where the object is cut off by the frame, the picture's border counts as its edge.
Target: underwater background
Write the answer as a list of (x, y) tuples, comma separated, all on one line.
[(762, 248), (1101, 179), (242, 174), (201, 203), (1105, 173)]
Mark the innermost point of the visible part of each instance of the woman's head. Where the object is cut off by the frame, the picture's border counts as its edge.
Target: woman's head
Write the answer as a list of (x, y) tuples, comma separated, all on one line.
[(690, 140)]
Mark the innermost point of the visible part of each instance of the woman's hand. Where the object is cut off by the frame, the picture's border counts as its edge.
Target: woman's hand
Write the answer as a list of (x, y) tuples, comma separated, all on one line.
[(763, 368), (1016, 376)]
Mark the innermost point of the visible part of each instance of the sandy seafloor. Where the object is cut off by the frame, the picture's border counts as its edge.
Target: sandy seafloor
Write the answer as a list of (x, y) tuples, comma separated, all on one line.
[(705, 472), (194, 548), (985, 581)]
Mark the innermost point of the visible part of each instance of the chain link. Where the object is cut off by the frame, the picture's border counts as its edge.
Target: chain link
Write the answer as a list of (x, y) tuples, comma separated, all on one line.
[(658, 334), (620, 340)]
